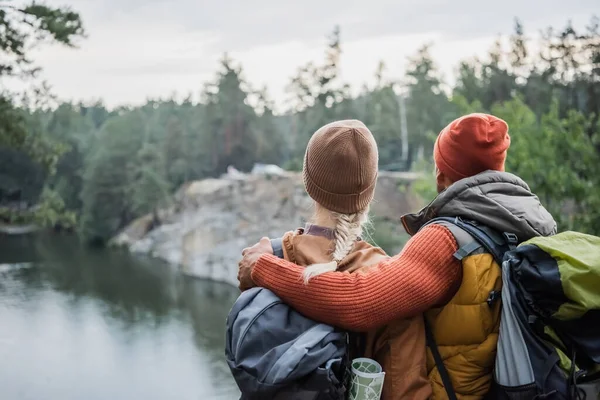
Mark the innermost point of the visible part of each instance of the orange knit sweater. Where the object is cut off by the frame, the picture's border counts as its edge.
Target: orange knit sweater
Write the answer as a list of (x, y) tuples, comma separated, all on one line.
[(424, 275)]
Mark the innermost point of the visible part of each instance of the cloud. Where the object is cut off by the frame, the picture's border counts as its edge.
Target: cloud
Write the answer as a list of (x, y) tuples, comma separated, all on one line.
[(149, 48), (241, 24)]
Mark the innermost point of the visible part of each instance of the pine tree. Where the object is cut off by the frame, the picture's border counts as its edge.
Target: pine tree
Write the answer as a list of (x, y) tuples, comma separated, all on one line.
[(20, 26), (109, 174), (427, 104), (382, 116), (149, 186), (228, 120)]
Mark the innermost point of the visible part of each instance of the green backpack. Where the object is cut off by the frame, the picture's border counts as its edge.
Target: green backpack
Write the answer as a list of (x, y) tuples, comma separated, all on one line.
[(549, 343)]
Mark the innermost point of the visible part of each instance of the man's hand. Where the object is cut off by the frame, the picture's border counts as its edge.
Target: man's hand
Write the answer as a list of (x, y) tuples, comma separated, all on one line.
[(250, 256)]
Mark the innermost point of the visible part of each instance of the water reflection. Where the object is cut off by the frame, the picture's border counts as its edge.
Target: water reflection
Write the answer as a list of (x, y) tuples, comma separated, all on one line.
[(77, 323)]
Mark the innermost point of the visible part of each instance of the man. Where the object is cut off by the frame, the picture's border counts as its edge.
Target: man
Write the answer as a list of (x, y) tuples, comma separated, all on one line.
[(430, 275)]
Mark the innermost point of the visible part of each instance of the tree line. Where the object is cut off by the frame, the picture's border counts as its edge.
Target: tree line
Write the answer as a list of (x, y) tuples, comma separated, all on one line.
[(85, 167)]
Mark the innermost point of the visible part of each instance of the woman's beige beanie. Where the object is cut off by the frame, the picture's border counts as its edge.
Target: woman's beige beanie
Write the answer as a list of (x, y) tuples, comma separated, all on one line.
[(340, 166)]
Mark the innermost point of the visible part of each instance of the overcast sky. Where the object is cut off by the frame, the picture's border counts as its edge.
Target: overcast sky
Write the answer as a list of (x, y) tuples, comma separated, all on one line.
[(137, 49)]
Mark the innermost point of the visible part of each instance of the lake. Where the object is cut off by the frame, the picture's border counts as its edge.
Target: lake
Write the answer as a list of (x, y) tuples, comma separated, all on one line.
[(82, 323)]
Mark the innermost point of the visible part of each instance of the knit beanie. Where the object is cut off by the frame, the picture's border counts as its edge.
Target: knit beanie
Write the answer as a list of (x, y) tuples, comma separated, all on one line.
[(470, 145), (340, 166)]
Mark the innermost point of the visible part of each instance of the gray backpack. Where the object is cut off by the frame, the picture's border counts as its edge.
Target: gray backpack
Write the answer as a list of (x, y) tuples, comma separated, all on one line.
[(274, 352)]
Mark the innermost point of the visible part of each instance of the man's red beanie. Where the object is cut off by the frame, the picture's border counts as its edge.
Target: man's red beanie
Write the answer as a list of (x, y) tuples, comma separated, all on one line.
[(471, 144)]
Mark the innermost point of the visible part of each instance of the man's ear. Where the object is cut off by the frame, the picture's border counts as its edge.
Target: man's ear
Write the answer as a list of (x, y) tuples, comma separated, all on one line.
[(440, 180)]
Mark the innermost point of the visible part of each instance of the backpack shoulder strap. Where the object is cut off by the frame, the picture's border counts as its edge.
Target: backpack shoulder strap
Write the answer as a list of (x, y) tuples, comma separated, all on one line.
[(497, 244), (470, 237), (277, 245), (438, 361)]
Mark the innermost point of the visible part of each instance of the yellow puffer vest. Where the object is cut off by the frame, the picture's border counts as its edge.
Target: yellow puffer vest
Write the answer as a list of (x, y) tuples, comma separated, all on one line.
[(466, 328)]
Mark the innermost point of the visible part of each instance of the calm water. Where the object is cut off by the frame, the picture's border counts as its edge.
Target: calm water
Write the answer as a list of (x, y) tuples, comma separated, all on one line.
[(83, 324)]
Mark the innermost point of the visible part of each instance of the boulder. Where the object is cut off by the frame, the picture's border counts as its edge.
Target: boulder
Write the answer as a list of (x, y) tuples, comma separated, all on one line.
[(212, 220)]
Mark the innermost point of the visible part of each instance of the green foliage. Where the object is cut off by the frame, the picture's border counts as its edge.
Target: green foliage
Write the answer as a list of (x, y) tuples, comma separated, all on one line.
[(175, 150), (19, 27), (229, 122), (24, 23), (382, 116), (318, 96), (19, 132), (149, 187), (463, 106), (15, 216), (51, 212), (110, 166), (425, 186), (428, 107), (106, 193), (28, 153), (293, 165), (388, 235), (556, 157), (70, 125), (270, 143)]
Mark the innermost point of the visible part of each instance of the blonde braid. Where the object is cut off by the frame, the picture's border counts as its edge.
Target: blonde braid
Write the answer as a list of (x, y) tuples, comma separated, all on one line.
[(348, 228)]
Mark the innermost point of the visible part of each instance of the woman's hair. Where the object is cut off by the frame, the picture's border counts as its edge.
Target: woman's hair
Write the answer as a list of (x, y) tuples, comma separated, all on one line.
[(348, 228)]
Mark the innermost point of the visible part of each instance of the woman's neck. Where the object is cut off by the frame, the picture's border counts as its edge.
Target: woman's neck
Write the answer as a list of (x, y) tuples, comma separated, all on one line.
[(323, 217)]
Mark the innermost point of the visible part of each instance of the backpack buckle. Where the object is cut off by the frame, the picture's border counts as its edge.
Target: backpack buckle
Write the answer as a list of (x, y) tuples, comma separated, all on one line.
[(511, 238), (494, 295)]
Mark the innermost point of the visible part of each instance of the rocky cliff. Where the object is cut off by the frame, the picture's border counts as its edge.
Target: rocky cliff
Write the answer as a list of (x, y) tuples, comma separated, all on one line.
[(212, 220)]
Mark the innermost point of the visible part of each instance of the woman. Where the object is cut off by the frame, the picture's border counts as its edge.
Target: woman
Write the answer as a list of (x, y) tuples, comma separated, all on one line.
[(340, 174)]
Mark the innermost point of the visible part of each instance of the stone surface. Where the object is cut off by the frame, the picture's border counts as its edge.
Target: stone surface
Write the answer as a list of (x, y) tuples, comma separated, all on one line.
[(212, 220)]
